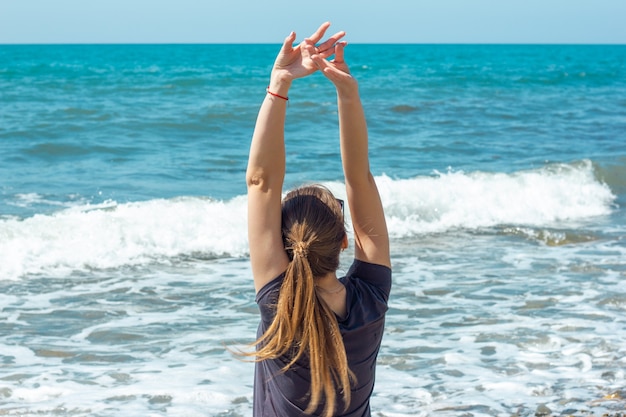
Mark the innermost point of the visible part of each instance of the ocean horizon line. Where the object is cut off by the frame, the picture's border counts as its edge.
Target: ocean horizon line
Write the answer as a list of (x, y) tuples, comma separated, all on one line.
[(278, 43)]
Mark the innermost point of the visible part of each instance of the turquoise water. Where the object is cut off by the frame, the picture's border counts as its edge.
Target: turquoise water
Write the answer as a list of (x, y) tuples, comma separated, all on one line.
[(123, 254)]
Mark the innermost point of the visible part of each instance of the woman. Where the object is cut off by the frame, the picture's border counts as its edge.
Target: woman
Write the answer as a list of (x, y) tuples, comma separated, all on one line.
[(319, 335)]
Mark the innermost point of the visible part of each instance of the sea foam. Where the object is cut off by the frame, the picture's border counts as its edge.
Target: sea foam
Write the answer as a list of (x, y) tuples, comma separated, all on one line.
[(110, 235), (542, 197), (114, 234)]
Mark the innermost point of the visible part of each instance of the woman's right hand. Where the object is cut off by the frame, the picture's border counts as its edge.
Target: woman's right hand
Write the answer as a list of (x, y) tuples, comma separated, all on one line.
[(336, 70), (371, 238)]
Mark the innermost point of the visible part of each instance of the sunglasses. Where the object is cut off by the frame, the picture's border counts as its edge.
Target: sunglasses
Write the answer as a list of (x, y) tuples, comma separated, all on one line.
[(340, 201)]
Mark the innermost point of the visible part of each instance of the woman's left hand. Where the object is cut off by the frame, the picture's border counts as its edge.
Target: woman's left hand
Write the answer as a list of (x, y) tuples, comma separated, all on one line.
[(295, 62)]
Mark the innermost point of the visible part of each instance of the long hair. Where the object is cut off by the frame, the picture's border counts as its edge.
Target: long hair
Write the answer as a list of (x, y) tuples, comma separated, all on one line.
[(313, 230)]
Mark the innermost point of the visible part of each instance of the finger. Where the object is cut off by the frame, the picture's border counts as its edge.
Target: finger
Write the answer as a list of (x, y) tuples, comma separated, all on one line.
[(319, 60), (308, 50), (319, 33), (335, 74), (330, 42), (333, 51), (288, 43), (339, 52)]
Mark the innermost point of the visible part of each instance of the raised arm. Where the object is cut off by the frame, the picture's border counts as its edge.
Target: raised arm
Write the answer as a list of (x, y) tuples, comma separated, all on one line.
[(266, 163), (368, 218)]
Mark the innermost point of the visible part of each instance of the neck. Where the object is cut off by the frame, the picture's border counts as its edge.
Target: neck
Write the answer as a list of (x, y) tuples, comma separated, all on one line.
[(329, 284)]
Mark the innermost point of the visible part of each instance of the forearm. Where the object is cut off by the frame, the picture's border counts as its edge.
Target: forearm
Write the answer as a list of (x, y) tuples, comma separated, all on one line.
[(266, 163), (366, 209), (353, 135)]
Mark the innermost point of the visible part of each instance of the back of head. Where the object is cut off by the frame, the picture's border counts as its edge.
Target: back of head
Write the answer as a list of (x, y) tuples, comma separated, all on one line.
[(312, 221)]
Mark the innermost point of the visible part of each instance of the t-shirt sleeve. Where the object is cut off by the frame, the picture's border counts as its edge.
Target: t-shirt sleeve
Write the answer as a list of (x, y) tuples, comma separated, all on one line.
[(267, 297), (368, 286), (375, 275)]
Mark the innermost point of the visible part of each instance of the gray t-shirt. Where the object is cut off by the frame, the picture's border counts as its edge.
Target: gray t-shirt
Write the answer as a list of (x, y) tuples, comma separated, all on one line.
[(286, 394)]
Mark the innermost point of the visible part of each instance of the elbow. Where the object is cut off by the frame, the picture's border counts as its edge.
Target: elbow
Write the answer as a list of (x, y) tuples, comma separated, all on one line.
[(255, 179), (361, 179), (261, 179)]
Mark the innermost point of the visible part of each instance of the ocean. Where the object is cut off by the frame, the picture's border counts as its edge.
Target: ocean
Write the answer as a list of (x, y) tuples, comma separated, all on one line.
[(124, 271)]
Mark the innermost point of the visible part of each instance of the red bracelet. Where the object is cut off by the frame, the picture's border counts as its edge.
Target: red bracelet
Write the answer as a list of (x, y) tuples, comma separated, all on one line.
[(276, 95)]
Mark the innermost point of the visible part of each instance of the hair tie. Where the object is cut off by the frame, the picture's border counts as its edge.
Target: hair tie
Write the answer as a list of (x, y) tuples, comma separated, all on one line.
[(300, 249)]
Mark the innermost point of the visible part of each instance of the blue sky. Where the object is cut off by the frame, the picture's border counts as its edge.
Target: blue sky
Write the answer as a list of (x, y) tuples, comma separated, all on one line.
[(269, 21)]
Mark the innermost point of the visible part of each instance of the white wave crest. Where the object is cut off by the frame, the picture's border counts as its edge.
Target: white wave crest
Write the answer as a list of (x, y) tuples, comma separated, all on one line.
[(111, 235), (453, 200)]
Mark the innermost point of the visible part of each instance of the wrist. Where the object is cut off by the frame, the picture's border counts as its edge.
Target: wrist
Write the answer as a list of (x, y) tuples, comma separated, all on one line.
[(348, 90), (279, 83)]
